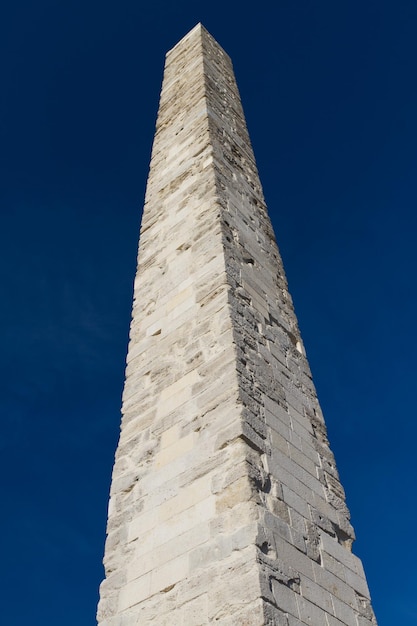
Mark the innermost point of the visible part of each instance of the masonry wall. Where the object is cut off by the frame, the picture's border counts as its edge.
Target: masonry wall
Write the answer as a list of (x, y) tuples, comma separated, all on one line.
[(225, 504)]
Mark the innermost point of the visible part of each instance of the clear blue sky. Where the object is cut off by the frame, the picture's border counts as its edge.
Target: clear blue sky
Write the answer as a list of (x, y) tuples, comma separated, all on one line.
[(330, 94)]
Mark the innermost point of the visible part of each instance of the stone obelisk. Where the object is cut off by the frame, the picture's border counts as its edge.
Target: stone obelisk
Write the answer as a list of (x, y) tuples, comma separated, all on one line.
[(226, 505)]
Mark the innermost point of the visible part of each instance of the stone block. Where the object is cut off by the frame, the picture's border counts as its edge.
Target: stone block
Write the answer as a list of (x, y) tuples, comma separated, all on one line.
[(285, 598), (134, 592), (334, 585), (195, 612), (344, 612), (168, 574), (316, 594), (310, 613), (294, 500), (288, 553)]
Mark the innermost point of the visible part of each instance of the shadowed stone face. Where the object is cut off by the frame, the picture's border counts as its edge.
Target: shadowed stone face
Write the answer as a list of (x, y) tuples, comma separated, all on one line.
[(226, 506)]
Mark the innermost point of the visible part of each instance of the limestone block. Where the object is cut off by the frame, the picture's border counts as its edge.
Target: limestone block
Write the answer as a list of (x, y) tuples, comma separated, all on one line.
[(168, 574), (290, 554), (196, 611), (134, 592), (242, 589), (316, 594), (344, 612), (251, 615), (182, 446), (311, 613), (154, 554), (285, 599)]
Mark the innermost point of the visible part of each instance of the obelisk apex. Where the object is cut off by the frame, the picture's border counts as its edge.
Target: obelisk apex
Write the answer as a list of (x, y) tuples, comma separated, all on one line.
[(226, 505)]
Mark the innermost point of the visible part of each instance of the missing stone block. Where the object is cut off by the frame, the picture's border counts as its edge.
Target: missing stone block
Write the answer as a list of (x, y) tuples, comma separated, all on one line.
[(343, 538), (248, 260), (282, 578), (365, 608)]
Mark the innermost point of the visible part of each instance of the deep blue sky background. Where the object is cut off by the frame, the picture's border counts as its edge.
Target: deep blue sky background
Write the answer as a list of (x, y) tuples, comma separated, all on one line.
[(330, 95)]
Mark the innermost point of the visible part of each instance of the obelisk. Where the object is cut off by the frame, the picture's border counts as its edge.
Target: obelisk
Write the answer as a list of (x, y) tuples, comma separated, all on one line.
[(226, 505)]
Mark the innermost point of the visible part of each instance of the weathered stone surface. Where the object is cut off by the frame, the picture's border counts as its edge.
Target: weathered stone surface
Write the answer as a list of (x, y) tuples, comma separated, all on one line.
[(226, 504)]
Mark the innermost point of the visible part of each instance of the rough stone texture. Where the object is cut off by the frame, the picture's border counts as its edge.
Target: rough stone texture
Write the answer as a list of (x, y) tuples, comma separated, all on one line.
[(226, 505)]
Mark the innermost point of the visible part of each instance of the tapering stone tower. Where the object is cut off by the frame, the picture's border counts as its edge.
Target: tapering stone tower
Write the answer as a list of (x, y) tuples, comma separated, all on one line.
[(226, 505)]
